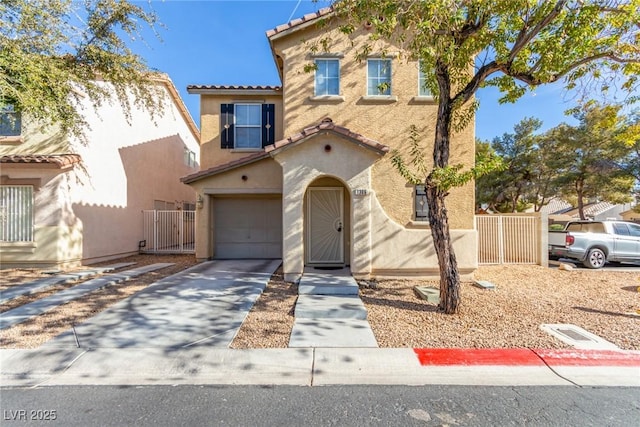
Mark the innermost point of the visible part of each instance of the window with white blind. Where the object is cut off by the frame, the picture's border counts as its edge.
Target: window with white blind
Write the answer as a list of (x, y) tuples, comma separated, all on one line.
[(16, 213)]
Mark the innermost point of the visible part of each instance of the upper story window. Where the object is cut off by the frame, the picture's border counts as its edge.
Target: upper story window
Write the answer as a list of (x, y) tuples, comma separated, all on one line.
[(189, 158), (423, 90), (379, 77), (10, 122), (247, 125), (327, 77)]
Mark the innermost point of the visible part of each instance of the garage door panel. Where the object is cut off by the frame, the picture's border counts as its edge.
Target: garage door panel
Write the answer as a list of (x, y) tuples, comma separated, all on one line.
[(248, 227)]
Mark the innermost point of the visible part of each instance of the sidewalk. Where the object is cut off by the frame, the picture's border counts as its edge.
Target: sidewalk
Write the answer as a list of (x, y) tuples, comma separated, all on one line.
[(318, 366)]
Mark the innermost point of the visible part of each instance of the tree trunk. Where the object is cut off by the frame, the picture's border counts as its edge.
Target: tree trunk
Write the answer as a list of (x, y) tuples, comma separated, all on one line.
[(580, 194), (449, 276), (438, 219)]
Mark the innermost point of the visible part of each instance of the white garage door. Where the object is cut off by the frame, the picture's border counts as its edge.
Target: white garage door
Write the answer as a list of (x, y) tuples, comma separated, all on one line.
[(248, 227)]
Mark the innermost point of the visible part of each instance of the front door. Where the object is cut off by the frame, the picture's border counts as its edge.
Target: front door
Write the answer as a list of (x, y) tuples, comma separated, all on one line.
[(325, 223)]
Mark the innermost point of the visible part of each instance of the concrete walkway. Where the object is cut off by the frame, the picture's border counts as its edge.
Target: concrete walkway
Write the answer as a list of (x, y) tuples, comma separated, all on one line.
[(27, 311), (45, 283), (202, 306), (329, 312), (48, 366)]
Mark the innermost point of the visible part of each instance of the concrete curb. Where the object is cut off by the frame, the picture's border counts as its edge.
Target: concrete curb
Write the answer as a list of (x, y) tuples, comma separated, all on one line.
[(319, 366)]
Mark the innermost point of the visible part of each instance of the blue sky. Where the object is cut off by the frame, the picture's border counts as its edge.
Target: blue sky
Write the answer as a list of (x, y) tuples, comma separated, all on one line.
[(224, 42)]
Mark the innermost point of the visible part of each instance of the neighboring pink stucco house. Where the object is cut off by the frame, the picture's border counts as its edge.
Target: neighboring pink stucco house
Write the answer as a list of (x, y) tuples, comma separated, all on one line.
[(63, 202)]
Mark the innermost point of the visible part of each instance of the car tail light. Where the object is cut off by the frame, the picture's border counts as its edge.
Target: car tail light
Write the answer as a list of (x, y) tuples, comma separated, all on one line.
[(569, 240)]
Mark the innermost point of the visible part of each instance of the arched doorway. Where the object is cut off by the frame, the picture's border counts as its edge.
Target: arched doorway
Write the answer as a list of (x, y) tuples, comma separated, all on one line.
[(327, 223)]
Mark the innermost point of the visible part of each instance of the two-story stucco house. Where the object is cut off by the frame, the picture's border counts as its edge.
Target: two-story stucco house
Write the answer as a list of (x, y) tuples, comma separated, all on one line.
[(64, 201), (302, 171)]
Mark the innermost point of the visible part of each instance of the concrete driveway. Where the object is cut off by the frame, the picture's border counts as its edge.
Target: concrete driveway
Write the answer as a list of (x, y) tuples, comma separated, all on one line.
[(202, 306)]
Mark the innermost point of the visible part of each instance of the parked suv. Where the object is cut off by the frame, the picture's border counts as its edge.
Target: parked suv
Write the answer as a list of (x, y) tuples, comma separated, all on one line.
[(596, 242)]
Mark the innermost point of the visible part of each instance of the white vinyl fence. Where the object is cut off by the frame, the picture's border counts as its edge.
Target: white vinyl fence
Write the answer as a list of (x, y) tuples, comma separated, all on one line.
[(512, 239), (169, 231)]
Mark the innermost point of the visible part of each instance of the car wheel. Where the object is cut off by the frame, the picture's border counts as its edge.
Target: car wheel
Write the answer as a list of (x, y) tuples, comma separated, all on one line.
[(595, 259)]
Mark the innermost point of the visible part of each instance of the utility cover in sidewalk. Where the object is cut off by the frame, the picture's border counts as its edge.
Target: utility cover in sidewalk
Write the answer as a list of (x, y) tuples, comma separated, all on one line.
[(578, 337)]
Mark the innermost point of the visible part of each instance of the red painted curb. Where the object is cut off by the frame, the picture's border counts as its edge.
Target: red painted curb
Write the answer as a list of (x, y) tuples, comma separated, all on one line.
[(526, 357), (477, 356), (574, 357)]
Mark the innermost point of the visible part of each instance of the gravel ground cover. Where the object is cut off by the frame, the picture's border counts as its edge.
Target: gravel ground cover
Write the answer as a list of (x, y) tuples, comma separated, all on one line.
[(602, 302)]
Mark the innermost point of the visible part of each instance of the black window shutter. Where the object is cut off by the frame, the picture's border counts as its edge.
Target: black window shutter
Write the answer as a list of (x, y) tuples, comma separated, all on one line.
[(268, 124), (226, 126)]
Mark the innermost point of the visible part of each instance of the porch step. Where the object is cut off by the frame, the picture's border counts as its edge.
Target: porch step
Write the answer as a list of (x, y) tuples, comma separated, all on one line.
[(353, 333), (319, 282), (330, 307)]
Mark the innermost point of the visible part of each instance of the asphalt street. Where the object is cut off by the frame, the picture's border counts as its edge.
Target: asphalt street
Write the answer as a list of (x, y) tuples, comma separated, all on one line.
[(320, 406)]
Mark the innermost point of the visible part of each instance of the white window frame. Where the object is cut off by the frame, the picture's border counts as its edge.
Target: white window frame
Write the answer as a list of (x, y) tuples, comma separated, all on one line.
[(236, 126), (16, 213), (189, 157), (315, 83), (379, 80)]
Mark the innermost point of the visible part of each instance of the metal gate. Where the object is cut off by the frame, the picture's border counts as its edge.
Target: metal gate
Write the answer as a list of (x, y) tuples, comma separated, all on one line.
[(168, 231), (511, 239)]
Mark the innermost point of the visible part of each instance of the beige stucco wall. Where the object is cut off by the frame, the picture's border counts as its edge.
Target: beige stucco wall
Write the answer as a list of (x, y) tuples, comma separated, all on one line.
[(58, 237), (305, 163), (262, 177), (211, 154), (386, 121), (126, 165)]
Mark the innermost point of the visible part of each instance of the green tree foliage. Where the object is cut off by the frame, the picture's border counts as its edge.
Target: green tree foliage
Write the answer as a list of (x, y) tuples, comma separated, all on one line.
[(594, 160), (509, 44), (54, 52), (509, 187), (588, 156)]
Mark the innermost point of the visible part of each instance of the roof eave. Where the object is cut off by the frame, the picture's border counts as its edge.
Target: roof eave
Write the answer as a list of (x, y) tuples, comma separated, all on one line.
[(233, 92)]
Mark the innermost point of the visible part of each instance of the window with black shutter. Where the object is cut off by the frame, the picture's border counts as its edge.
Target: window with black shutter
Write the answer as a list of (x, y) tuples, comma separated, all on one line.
[(247, 125), (226, 126), (421, 207)]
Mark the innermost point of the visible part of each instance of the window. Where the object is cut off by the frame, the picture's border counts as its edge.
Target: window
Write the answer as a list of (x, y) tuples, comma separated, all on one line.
[(247, 125), (621, 229), (379, 77), (327, 77), (16, 213), (422, 89), (634, 230), (189, 158), (421, 207), (161, 205), (10, 122)]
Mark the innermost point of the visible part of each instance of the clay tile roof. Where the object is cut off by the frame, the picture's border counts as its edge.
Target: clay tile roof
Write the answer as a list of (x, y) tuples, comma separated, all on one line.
[(299, 21), (59, 160), (326, 125)]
